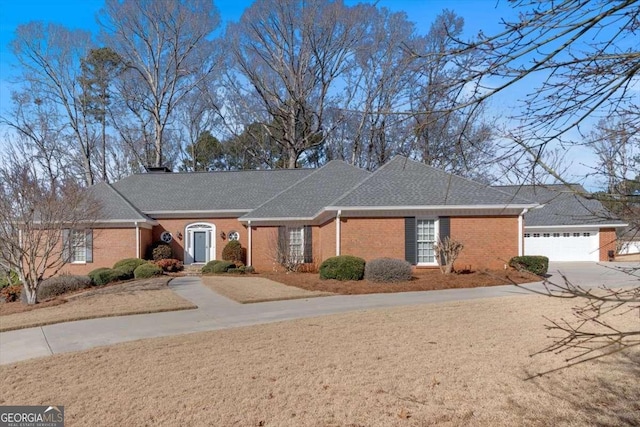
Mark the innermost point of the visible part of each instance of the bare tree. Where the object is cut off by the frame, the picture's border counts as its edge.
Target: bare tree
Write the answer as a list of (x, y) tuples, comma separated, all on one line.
[(34, 214), (448, 134), (50, 57), (166, 47), (291, 53), (588, 68), (448, 251)]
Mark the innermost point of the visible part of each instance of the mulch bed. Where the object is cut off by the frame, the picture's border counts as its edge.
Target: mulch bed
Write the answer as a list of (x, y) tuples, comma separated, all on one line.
[(423, 280)]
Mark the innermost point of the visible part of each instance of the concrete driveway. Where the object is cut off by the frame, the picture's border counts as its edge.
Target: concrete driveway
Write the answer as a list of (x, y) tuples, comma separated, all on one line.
[(591, 274), (217, 312)]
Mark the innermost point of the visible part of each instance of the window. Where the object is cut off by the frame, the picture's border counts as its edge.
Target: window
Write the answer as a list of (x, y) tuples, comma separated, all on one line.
[(556, 234), (234, 235), (77, 246), (425, 239), (546, 235), (78, 239), (566, 234), (296, 242), (576, 234), (536, 234), (586, 234), (527, 235)]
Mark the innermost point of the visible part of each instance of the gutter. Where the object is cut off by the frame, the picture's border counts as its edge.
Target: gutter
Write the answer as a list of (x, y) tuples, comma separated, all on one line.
[(338, 215)]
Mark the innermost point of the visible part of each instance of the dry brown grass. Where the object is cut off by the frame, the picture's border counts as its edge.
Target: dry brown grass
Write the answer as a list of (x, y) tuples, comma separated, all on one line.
[(423, 280), (136, 297), (453, 364), (251, 289)]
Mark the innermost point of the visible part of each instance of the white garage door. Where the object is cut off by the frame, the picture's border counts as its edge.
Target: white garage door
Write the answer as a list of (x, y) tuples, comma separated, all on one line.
[(563, 245)]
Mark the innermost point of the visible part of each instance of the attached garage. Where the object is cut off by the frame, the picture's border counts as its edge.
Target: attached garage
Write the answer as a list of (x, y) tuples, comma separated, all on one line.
[(563, 244), (566, 226)]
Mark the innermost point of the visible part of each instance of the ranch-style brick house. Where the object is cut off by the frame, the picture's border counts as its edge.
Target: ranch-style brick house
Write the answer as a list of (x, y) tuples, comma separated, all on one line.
[(398, 211)]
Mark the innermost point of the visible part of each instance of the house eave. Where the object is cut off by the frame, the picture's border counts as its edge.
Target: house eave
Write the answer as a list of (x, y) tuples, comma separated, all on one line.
[(585, 225), (219, 213)]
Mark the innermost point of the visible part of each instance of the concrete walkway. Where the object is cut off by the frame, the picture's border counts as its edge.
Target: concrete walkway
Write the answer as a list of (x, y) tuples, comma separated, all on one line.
[(217, 312)]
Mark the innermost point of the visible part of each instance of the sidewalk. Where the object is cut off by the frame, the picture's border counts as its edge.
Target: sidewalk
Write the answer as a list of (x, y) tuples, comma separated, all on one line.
[(217, 312)]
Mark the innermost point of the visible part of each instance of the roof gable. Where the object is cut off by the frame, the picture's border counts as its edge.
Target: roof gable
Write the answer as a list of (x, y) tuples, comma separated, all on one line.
[(407, 183), (309, 196)]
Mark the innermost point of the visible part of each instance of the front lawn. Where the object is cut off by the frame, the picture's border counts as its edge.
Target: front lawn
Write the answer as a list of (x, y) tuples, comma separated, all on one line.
[(451, 364), (119, 299), (423, 280)]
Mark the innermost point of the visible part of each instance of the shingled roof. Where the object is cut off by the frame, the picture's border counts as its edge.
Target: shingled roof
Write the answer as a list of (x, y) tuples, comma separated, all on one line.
[(563, 205), (206, 191), (309, 196), (407, 183), (114, 207)]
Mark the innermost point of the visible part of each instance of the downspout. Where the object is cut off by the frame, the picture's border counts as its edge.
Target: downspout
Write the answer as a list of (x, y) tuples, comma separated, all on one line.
[(338, 215), (521, 232), (137, 239), (249, 244)]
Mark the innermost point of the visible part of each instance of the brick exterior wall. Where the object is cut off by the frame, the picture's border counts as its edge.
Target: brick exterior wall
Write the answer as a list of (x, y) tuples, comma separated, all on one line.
[(489, 242), (109, 246), (371, 238), (179, 225), (607, 242)]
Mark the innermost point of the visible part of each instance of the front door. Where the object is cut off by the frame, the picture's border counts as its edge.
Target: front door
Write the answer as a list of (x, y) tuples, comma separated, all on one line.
[(200, 246)]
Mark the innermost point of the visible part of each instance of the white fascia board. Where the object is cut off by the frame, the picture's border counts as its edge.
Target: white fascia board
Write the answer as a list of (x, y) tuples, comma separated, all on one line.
[(428, 207), (274, 221), (220, 213), (585, 226)]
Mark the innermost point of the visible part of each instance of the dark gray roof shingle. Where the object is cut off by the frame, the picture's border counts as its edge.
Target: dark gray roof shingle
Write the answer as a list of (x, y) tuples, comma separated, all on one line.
[(562, 206), (206, 191), (404, 182), (114, 207), (311, 194)]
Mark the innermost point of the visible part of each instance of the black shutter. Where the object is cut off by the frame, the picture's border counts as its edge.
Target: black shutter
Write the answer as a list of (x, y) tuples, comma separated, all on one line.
[(445, 227), (89, 245), (282, 244), (410, 240), (308, 244), (66, 245)]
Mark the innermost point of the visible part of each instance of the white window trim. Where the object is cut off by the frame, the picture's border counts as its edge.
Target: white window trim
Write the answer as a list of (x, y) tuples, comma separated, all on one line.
[(72, 248), (436, 236)]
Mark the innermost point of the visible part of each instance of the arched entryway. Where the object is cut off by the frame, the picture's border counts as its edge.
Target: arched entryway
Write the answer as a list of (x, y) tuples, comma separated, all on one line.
[(200, 243)]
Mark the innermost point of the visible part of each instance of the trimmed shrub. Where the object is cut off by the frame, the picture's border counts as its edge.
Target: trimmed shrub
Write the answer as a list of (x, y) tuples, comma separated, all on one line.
[(170, 265), (233, 270), (387, 270), (11, 293), (160, 250), (249, 269), (147, 270), (223, 267), (128, 265), (535, 264), (208, 267), (344, 267), (233, 251), (8, 278), (102, 276), (60, 285)]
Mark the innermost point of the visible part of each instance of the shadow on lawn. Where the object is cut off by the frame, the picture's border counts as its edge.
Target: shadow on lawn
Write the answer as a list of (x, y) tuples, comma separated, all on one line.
[(607, 395)]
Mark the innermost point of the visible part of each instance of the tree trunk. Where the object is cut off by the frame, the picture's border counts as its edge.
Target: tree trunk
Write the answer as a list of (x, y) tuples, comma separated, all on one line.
[(31, 296)]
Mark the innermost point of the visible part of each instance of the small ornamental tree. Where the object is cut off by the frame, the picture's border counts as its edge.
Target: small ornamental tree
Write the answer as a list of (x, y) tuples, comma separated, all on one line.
[(447, 251), (35, 215)]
